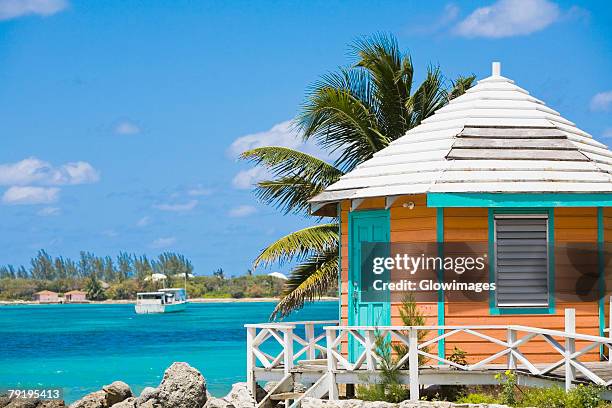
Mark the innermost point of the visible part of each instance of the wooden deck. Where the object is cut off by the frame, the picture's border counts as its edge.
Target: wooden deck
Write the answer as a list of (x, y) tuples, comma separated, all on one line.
[(319, 357)]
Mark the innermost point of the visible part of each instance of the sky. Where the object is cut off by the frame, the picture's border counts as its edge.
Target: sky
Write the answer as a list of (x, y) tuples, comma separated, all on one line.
[(121, 120)]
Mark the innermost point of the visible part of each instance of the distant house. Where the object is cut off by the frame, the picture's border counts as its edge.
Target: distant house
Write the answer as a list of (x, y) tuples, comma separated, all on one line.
[(46, 296), (75, 296)]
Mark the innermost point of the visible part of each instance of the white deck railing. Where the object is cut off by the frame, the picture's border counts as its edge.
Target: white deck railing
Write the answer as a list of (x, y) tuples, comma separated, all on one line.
[(505, 355), (263, 339)]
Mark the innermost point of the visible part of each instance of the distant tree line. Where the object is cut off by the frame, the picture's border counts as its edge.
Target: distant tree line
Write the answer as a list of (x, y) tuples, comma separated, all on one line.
[(121, 277), (124, 266)]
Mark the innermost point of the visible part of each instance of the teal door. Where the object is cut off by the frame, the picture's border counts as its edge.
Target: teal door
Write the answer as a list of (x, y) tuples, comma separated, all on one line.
[(365, 226)]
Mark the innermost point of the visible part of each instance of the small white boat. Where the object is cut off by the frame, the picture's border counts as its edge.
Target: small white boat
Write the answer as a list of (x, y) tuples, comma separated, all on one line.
[(162, 301)]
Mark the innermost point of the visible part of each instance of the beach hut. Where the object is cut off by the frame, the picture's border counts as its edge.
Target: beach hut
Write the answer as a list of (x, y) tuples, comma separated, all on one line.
[(498, 168), (46, 296), (75, 296)]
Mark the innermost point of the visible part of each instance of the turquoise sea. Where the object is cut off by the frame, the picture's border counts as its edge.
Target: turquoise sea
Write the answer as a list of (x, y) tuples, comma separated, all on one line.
[(82, 347)]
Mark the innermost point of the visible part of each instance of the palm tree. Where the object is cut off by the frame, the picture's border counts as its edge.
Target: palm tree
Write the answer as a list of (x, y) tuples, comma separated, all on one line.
[(351, 114)]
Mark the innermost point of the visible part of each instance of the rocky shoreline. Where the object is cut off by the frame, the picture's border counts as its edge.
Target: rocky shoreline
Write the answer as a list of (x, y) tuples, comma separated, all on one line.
[(185, 387)]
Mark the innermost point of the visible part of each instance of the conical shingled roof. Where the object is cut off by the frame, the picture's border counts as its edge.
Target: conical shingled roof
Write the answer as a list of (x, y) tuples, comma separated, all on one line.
[(496, 138)]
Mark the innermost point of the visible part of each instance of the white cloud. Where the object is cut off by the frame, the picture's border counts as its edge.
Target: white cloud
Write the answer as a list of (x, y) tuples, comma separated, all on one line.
[(49, 211), (177, 207), (607, 132), (199, 191), (281, 134), (246, 179), (163, 242), (507, 18), (30, 195), (242, 211), (143, 222), (17, 8), (35, 171), (601, 101), (127, 127), (447, 17)]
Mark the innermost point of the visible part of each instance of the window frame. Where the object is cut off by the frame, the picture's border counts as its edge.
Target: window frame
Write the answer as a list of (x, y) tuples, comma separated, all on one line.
[(547, 213)]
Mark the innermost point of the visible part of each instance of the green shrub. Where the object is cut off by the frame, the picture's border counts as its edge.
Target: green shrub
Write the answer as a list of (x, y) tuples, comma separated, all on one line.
[(582, 396), (477, 398), (553, 397), (123, 290)]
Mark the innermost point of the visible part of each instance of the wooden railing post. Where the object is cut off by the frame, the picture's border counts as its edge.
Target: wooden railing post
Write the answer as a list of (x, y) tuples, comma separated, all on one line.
[(413, 363), (309, 334), (288, 350), (570, 347), (330, 338), (251, 359), (370, 341), (511, 356)]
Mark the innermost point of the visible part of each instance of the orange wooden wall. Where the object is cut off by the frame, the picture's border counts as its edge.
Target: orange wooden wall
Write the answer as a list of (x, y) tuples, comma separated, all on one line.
[(471, 225)]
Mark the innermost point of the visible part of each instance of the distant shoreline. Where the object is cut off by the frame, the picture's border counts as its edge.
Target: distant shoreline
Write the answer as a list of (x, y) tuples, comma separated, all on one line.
[(127, 302)]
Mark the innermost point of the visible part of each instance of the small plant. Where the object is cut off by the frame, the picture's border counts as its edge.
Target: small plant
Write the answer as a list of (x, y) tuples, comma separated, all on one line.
[(458, 356), (507, 381), (411, 316), (554, 397), (477, 398), (389, 388), (582, 396)]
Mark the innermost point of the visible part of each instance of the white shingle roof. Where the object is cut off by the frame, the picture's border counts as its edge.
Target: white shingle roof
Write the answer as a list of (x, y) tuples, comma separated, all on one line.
[(494, 138)]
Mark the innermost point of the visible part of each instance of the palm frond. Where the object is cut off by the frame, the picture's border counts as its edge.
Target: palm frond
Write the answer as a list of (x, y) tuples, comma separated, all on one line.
[(308, 281), (341, 121), (299, 177), (300, 244), (429, 97), (391, 73), (460, 85)]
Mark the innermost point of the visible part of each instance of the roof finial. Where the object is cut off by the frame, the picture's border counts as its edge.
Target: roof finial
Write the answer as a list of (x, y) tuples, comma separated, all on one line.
[(496, 68)]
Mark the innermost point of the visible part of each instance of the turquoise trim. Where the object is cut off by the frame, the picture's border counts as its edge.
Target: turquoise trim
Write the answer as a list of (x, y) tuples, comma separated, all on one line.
[(441, 311), (503, 200), (493, 308), (339, 212), (601, 276)]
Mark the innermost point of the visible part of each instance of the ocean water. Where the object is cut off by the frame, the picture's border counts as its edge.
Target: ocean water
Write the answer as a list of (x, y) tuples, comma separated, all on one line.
[(79, 348)]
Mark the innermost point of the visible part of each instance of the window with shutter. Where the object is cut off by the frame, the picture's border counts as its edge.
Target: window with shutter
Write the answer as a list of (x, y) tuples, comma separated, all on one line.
[(521, 260)]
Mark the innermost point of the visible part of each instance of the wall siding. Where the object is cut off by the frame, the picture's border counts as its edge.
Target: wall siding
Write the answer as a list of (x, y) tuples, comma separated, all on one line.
[(471, 225)]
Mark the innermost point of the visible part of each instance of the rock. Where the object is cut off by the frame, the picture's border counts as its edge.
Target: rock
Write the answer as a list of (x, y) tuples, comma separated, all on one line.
[(95, 399), (4, 400), (182, 387), (23, 403), (148, 393), (51, 404), (152, 403), (213, 402), (318, 403), (240, 396), (129, 402), (116, 392)]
